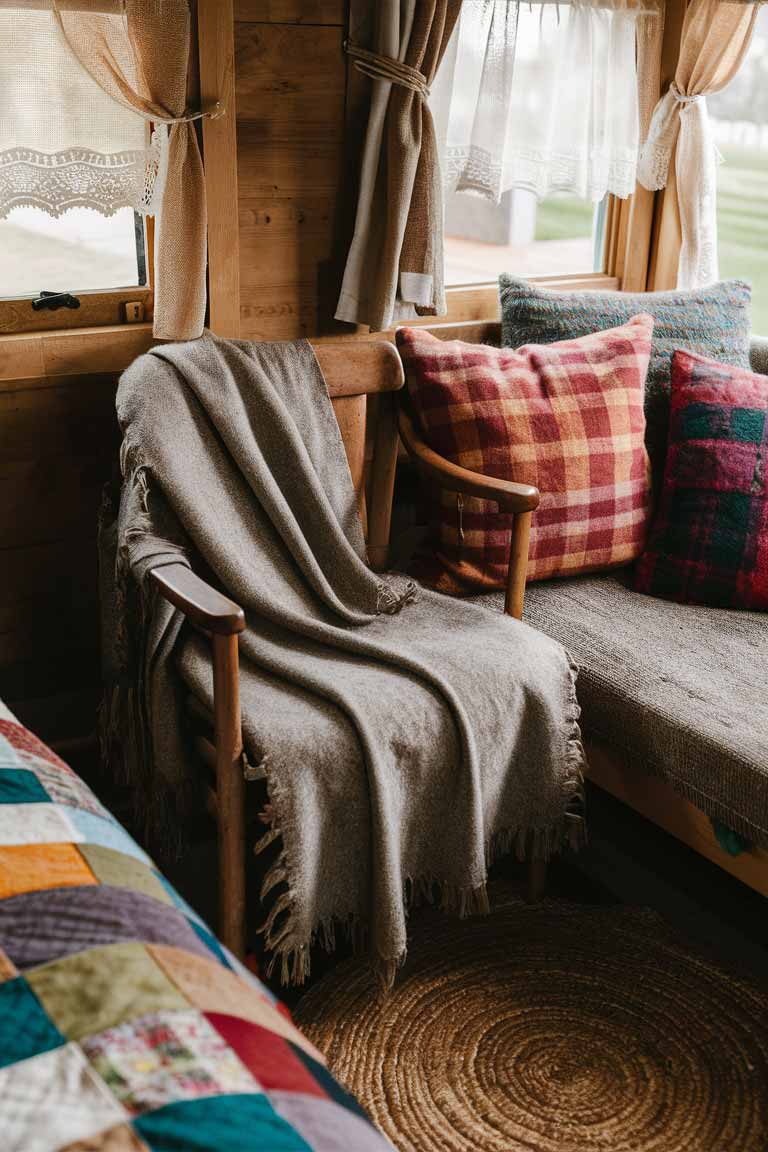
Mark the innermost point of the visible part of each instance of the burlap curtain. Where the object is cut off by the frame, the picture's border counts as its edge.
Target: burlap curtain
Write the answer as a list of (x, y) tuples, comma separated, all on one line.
[(716, 36), (141, 60), (394, 268)]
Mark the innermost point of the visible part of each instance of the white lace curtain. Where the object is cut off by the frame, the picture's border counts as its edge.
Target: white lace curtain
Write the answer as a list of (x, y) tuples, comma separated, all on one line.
[(80, 83), (64, 143), (543, 95)]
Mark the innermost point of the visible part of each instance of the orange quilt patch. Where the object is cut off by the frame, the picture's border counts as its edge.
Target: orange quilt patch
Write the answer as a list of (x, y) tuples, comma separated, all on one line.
[(37, 867)]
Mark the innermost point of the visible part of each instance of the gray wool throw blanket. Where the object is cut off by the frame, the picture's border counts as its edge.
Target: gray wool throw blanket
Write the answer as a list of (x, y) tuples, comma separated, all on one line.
[(406, 738)]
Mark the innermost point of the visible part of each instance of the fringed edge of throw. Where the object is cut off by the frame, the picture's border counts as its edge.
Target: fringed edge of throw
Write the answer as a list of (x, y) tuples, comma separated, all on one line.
[(291, 953), (157, 810)]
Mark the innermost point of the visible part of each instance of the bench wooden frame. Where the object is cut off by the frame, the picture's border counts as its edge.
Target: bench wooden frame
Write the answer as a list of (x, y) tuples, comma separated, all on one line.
[(353, 370)]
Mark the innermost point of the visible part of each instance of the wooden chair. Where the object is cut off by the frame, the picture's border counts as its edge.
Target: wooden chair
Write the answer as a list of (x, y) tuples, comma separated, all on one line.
[(353, 372)]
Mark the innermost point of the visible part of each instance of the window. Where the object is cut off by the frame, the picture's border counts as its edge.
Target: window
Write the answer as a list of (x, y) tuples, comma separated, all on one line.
[(559, 235), (740, 123), (536, 112), (76, 166), (80, 251)]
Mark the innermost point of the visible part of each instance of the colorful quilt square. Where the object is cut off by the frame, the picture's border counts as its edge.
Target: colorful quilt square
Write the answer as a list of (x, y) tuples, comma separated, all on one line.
[(36, 867), (212, 988), (36, 824), (7, 970), (269, 1057), (326, 1081), (66, 788), (226, 1123), (210, 941), (9, 757), (25, 1029), (20, 786), (121, 871), (39, 927), (121, 1138), (164, 1057), (99, 989), (326, 1127), (51, 1100), (23, 740), (104, 830)]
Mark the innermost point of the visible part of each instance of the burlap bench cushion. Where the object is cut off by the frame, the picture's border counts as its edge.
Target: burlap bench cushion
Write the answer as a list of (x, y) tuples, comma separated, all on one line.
[(677, 690)]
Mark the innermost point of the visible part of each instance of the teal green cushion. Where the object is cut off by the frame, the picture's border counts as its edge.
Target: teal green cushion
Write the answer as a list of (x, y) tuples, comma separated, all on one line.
[(714, 322)]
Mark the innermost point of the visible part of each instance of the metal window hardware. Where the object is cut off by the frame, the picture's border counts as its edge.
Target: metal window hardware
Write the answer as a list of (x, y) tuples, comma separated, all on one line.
[(54, 300)]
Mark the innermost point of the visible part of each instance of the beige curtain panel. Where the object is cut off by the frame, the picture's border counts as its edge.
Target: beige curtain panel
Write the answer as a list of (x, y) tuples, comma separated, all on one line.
[(140, 58), (716, 36), (394, 269)]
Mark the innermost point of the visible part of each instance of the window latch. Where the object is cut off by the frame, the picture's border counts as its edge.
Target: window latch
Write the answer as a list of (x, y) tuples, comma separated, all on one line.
[(54, 300)]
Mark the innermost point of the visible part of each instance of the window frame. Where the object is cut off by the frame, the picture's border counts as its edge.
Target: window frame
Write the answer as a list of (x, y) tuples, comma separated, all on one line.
[(98, 308), (642, 240)]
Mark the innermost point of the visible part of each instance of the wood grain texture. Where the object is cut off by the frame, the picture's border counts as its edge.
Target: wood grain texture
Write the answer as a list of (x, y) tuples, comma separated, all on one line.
[(96, 309), (290, 135), (82, 351), (655, 799), (291, 11), (215, 25)]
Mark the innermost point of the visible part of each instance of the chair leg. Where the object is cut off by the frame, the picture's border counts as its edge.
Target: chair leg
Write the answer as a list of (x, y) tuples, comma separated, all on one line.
[(230, 793), (537, 880)]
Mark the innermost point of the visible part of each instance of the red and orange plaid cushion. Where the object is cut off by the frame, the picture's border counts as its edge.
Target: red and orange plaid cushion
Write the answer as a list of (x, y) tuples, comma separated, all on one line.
[(567, 417), (708, 543)]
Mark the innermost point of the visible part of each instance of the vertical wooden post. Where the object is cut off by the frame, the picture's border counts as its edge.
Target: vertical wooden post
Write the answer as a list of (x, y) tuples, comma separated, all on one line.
[(518, 565), (230, 793), (215, 29), (382, 482)]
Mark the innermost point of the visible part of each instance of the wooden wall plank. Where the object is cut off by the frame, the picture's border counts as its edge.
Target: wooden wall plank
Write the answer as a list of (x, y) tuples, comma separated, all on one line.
[(291, 11), (217, 83), (290, 136)]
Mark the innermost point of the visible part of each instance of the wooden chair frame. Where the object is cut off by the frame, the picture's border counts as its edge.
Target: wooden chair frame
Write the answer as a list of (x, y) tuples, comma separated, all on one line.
[(352, 370)]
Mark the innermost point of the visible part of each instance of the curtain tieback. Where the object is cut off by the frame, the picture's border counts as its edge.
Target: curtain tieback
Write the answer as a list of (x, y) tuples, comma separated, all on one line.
[(681, 98), (379, 67), (208, 112)]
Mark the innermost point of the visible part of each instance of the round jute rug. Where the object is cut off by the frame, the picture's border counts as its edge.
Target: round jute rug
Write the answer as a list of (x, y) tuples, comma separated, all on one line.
[(550, 1028)]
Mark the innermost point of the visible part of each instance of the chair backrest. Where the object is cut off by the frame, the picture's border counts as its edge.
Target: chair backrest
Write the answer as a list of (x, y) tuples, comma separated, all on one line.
[(356, 372)]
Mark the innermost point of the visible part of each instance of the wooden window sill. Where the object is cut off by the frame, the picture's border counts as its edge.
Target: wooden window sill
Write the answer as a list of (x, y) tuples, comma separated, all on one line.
[(39, 357)]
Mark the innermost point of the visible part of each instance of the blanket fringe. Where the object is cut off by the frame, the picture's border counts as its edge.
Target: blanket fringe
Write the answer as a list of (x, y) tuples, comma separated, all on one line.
[(292, 955)]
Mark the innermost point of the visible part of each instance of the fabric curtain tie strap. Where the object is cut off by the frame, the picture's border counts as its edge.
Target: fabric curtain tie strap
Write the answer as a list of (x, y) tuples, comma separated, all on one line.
[(681, 98), (379, 67), (209, 112), (656, 153)]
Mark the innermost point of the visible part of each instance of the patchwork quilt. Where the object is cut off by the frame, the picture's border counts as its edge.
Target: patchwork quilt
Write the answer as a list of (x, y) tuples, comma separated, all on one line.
[(125, 1026)]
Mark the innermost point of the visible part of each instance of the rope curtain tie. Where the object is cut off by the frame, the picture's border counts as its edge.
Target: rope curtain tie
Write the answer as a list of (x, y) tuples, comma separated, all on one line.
[(680, 98), (379, 67), (212, 111)]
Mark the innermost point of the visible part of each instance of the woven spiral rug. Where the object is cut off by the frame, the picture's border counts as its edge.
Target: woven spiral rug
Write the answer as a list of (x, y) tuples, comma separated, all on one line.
[(550, 1028)]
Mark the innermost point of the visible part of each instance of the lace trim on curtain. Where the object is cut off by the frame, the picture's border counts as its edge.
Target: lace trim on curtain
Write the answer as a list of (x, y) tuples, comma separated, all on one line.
[(81, 178), (473, 169)]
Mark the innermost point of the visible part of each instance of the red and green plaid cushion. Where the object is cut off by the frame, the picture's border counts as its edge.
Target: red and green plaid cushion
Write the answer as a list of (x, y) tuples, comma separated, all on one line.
[(708, 543), (567, 417)]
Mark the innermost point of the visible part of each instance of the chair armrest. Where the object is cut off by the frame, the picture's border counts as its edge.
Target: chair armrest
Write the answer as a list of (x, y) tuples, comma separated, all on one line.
[(202, 604), (510, 496)]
